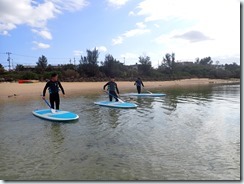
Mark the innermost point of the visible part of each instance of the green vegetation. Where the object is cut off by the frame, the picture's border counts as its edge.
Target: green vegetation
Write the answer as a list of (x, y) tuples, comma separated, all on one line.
[(88, 69)]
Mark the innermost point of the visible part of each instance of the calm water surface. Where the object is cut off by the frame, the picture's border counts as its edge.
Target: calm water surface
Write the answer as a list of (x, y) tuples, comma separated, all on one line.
[(190, 134)]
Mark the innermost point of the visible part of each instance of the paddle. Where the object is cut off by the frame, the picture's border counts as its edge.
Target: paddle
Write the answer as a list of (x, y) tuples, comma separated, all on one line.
[(121, 101), (52, 110), (149, 92)]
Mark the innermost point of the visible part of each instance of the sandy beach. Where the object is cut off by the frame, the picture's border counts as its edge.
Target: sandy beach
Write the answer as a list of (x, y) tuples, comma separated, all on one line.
[(17, 90)]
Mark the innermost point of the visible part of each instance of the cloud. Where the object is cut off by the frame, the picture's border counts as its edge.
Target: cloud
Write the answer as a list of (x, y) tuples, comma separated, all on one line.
[(118, 40), (4, 28), (135, 32), (205, 15), (70, 5), (43, 33), (23, 12), (188, 49), (140, 25), (159, 10), (117, 3), (128, 34), (5, 33), (131, 13), (193, 28), (34, 14), (102, 49), (189, 9), (140, 30), (193, 36), (156, 25), (40, 45), (77, 52)]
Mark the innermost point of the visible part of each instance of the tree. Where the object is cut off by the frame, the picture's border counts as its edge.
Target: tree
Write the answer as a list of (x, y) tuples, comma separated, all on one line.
[(19, 68), (145, 66), (29, 75), (206, 61), (173, 58), (68, 67), (70, 74), (41, 64), (112, 67), (169, 60), (83, 60), (49, 68), (89, 65), (92, 56), (234, 69), (168, 64), (197, 60), (1, 69)]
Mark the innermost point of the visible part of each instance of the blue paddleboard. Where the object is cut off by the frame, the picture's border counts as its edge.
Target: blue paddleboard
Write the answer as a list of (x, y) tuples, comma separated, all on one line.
[(145, 94), (57, 115), (123, 105)]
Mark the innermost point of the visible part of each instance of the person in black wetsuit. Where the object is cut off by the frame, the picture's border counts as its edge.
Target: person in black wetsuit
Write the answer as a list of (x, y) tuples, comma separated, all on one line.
[(112, 89), (53, 86), (138, 84)]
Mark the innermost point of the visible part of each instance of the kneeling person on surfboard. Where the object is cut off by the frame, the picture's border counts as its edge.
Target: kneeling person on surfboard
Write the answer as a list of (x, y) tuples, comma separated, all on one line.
[(138, 84), (53, 86), (112, 89)]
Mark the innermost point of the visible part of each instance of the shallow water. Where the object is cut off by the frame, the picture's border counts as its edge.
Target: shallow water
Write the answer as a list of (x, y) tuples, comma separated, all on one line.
[(190, 134)]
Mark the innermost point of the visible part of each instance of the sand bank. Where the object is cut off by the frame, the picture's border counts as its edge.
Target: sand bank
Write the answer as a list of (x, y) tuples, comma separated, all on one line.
[(9, 90)]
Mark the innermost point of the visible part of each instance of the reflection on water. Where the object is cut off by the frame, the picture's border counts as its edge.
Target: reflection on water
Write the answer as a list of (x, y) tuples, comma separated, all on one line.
[(190, 134)]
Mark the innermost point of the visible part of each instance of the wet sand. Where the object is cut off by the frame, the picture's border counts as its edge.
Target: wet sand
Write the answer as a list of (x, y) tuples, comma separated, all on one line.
[(16, 90)]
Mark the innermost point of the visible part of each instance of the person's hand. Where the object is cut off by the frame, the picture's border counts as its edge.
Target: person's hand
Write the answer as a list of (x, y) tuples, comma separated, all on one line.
[(64, 95), (43, 97)]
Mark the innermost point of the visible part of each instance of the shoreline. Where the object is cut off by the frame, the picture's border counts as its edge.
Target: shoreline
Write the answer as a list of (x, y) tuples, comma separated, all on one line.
[(16, 90)]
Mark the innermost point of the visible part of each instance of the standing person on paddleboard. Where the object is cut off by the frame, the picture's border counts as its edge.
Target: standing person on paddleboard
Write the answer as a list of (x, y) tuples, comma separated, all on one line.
[(112, 89), (53, 86), (138, 84)]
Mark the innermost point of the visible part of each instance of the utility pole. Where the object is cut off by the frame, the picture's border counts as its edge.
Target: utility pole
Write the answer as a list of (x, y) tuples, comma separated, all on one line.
[(12, 64), (74, 61), (9, 59), (124, 60)]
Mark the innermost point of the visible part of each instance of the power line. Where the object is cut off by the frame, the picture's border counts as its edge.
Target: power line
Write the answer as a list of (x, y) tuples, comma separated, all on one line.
[(29, 56), (22, 55)]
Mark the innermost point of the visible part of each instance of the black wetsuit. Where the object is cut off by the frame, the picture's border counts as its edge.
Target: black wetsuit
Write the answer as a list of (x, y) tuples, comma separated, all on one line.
[(138, 84), (53, 88), (112, 88)]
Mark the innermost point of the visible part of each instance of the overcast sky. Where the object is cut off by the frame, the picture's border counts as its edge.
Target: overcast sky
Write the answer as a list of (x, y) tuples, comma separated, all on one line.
[(64, 29)]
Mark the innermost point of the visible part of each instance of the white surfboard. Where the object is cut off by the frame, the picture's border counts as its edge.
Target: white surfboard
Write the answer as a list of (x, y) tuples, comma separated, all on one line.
[(58, 115), (124, 105)]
